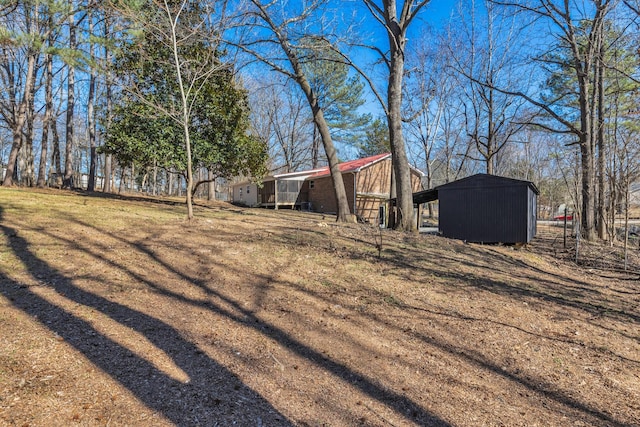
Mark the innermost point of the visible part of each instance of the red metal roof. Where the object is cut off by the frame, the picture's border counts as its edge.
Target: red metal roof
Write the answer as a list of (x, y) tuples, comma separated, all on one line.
[(351, 166)]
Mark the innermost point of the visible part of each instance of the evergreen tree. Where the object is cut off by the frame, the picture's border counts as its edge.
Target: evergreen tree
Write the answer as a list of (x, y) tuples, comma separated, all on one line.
[(182, 118), (376, 140), (340, 95)]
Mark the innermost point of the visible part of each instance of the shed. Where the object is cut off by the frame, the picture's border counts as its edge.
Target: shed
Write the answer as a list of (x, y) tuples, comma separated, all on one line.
[(276, 191), (488, 209), (244, 193)]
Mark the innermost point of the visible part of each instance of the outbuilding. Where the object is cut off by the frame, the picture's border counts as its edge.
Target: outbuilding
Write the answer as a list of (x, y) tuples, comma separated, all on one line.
[(367, 182), (485, 209)]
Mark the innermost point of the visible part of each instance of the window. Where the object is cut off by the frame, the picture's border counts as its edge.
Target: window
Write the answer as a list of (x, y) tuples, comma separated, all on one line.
[(248, 189), (311, 184)]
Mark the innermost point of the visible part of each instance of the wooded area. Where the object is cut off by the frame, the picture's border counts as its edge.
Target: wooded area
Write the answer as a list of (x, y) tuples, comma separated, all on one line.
[(178, 96)]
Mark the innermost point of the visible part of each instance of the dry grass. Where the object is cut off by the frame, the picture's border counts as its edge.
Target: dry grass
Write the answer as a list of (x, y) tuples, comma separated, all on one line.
[(119, 312)]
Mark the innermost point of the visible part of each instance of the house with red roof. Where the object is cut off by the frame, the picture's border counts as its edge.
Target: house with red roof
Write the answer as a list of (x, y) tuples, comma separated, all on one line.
[(367, 182)]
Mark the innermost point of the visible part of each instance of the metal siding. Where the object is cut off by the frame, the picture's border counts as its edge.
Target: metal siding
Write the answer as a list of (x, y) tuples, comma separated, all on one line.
[(487, 209)]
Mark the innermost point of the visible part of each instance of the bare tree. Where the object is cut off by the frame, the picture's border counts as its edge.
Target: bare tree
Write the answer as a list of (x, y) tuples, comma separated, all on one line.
[(628, 150), (175, 25), (292, 29), (429, 94), (67, 180), (396, 18), (27, 158), (108, 84), (484, 56), (577, 30), (280, 118), (91, 119), (47, 121)]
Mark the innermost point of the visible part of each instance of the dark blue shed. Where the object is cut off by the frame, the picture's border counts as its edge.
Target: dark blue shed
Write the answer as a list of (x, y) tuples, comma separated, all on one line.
[(489, 209)]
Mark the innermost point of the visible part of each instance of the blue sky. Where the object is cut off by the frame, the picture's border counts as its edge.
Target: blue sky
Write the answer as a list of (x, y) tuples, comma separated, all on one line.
[(438, 11), (436, 14)]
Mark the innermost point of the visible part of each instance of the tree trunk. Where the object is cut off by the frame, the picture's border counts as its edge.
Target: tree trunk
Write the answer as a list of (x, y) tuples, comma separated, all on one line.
[(108, 161), (56, 157), (491, 128), (588, 202), (91, 122), (211, 194), (586, 154), (28, 175), (185, 109), (626, 226), (601, 142), (67, 181), (20, 119), (155, 179), (143, 186), (46, 121), (315, 149), (344, 213), (132, 179), (122, 179), (404, 191)]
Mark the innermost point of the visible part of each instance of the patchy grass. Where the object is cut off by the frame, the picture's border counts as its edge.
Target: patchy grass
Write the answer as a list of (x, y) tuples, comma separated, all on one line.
[(117, 311)]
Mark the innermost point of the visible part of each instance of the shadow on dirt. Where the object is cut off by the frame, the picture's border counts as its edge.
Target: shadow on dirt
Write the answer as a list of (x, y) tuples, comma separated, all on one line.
[(212, 396), (401, 404), (238, 313), (198, 402)]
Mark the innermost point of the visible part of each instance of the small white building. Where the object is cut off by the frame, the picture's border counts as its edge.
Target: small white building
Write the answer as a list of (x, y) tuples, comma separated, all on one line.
[(245, 193), (277, 191)]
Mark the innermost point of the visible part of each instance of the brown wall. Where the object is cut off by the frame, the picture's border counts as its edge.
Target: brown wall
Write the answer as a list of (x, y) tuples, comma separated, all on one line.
[(373, 190), (375, 179), (322, 196)]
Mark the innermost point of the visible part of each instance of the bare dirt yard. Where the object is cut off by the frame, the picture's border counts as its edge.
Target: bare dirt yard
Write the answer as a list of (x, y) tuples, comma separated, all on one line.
[(117, 311)]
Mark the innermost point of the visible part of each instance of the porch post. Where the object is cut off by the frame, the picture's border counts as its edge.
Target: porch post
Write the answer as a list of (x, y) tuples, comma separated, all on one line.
[(275, 191)]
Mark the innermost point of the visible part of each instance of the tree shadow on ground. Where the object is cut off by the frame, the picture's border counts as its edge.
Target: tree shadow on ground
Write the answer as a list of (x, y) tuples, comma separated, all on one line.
[(238, 313), (400, 403), (555, 289), (213, 395), (199, 401), (552, 287)]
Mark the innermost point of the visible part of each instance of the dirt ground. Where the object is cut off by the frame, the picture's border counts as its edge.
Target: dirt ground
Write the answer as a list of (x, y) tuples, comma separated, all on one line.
[(117, 311)]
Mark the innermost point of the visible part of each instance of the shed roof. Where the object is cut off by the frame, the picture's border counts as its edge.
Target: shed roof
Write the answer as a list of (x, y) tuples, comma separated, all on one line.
[(487, 181), (493, 181), (425, 196)]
